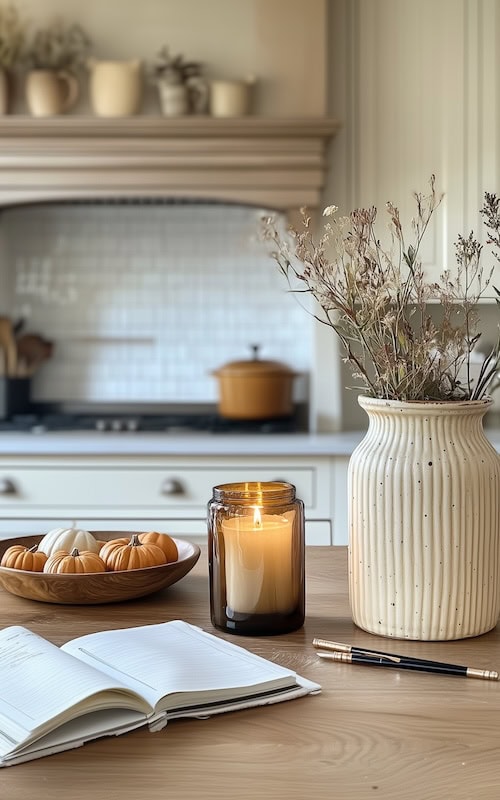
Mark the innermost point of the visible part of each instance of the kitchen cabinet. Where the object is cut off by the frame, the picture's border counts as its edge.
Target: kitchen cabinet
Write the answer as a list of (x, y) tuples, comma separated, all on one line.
[(168, 493), (417, 84)]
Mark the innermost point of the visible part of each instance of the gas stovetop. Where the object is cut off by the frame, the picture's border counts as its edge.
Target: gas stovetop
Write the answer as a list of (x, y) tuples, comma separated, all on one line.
[(131, 423)]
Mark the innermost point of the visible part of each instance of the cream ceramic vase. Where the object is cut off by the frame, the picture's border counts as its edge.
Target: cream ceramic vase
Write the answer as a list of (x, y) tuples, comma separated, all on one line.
[(50, 92), (174, 98), (231, 98), (115, 87), (424, 521)]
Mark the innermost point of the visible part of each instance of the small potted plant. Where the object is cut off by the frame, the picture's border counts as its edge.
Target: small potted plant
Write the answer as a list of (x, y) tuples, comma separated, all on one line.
[(54, 58), (12, 43), (180, 84)]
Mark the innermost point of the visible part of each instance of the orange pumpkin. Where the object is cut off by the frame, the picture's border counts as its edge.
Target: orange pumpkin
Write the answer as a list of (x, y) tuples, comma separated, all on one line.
[(133, 554), (19, 557), (74, 562), (162, 540)]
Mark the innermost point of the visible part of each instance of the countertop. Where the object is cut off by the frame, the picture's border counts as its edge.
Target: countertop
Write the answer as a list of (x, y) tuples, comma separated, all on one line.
[(372, 734), (186, 444)]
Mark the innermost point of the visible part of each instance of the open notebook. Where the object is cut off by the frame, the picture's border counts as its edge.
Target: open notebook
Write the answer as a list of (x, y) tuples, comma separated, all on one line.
[(108, 683)]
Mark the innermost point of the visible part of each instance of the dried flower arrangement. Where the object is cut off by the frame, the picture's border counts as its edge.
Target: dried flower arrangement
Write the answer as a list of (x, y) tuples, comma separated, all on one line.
[(173, 69), (378, 301), (59, 47), (12, 36)]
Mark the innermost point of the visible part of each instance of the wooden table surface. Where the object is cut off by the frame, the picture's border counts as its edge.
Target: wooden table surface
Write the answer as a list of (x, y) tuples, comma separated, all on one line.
[(371, 733)]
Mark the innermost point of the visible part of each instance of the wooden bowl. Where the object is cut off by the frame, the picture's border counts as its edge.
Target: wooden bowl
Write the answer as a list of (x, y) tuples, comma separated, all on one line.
[(98, 587)]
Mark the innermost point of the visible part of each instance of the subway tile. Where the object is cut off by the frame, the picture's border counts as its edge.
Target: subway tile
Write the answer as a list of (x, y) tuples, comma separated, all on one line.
[(143, 302)]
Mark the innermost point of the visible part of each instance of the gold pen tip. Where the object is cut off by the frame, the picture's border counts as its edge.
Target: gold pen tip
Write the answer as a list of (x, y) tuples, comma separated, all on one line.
[(483, 674), (345, 658), (338, 647)]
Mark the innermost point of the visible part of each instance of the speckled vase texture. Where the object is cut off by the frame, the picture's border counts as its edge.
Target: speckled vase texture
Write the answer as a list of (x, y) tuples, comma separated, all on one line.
[(424, 521)]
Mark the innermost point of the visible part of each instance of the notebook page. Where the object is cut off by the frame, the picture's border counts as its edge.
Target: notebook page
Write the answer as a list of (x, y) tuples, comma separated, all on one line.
[(176, 657), (39, 682)]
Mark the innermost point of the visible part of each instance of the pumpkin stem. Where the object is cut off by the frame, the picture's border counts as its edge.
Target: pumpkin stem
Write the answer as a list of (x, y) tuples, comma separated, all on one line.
[(135, 542), (75, 552), (33, 549)]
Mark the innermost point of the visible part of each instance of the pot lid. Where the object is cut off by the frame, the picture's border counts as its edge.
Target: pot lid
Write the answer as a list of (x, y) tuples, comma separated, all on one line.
[(254, 366)]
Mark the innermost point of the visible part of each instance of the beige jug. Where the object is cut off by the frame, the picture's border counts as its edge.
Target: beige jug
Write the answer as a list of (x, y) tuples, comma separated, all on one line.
[(231, 98), (50, 92), (115, 87)]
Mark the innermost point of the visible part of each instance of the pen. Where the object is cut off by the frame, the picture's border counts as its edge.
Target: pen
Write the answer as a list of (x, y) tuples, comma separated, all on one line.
[(348, 654)]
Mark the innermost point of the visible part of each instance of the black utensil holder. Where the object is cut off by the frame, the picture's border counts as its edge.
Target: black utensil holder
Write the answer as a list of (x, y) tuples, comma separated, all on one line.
[(15, 397)]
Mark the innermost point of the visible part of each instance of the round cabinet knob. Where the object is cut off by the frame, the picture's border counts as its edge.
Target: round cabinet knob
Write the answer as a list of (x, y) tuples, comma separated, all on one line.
[(172, 486), (7, 486)]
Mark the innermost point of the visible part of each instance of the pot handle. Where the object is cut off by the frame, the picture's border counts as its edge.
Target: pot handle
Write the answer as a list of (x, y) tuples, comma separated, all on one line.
[(255, 351)]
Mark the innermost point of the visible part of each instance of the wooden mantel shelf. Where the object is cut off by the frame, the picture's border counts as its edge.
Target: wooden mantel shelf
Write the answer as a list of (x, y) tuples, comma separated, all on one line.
[(270, 162)]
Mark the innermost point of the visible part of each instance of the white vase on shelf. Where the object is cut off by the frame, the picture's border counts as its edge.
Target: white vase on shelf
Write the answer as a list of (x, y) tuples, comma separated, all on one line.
[(115, 87), (50, 92)]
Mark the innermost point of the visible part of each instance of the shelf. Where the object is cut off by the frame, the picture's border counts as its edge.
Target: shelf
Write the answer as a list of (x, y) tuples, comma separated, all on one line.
[(270, 162)]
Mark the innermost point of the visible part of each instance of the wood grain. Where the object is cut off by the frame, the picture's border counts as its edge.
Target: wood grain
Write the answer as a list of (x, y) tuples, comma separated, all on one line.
[(371, 733)]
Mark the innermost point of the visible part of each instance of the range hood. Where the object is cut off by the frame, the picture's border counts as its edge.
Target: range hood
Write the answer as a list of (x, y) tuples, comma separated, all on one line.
[(270, 162)]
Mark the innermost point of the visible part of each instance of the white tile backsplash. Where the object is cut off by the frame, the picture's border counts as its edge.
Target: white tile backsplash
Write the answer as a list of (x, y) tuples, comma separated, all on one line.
[(143, 301)]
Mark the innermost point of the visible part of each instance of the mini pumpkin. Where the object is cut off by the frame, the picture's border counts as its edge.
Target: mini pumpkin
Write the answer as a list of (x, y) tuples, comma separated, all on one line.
[(162, 540), (120, 554), (67, 539), (17, 556), (74, 562)]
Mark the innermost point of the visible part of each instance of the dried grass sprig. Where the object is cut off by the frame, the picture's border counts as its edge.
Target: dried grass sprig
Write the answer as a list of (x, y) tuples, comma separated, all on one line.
[(378, 301), (12, 36), (59, 47)]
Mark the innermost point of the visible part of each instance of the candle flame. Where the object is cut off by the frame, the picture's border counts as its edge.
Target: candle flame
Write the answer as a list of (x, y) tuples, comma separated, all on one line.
[(257, 518)]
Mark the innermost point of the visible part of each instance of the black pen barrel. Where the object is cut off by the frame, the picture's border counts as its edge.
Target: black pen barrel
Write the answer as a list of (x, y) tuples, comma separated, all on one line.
[(348, 654), (409, 659), (361, 651), (417, 666), (381, 661)]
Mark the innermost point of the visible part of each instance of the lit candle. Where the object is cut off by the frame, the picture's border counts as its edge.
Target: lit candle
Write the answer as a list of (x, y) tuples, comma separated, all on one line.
[(258, 560)]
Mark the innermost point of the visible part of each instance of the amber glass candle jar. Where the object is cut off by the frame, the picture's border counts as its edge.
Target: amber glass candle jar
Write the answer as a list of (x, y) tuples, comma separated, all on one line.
[(256, 558)]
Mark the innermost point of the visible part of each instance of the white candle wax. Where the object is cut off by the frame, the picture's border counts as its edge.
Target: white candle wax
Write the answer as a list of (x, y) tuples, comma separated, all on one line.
[(258, 561)]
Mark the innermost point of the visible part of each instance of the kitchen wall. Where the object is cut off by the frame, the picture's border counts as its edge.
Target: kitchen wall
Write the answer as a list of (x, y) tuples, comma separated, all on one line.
[(280, 42), (144, 301), (414, 84)]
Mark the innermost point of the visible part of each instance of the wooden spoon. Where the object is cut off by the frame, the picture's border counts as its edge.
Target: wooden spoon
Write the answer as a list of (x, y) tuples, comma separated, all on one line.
[(33, 349), (8, 345)]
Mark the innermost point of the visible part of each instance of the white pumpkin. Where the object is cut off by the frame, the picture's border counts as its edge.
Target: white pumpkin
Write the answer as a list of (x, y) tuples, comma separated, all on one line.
[(67, 539)]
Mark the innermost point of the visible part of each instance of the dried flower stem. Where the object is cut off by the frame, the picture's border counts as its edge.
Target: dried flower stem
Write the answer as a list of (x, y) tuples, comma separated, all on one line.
[(378, 303)]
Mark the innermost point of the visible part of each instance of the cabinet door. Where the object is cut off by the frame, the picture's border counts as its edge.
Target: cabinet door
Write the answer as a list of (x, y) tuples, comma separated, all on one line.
[(417, 84), (148, 494)]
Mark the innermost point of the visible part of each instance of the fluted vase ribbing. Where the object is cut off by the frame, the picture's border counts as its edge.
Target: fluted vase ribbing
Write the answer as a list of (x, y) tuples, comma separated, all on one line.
[(424, 521)]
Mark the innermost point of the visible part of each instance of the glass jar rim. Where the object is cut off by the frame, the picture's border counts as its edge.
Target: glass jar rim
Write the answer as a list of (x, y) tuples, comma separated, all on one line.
[(262, 492)]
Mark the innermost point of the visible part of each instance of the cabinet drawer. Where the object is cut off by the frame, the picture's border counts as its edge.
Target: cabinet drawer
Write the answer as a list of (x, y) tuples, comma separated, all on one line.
[(75, 491)]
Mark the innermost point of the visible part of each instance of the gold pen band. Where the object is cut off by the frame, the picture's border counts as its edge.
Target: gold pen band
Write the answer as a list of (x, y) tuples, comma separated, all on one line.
[(482, 674), (345, 658), (324, 644), (337, 647)]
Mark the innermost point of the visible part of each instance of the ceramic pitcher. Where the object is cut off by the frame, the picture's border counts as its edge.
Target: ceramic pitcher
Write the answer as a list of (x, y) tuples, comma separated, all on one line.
[(50, 92), (115, 87), (231, 98)]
